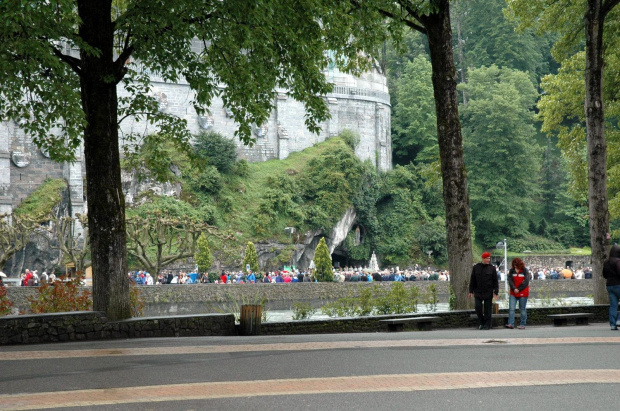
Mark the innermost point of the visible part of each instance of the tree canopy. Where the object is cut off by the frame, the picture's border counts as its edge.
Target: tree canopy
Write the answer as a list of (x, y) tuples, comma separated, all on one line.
[(501, 151), (62, 60)]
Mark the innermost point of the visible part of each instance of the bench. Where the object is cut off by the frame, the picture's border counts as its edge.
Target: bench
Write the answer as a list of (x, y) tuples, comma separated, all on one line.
[(562, 319), (496, 316), (421, 323)]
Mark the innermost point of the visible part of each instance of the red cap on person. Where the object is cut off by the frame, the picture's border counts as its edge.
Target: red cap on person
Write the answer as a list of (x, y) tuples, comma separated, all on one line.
[(486, 255)]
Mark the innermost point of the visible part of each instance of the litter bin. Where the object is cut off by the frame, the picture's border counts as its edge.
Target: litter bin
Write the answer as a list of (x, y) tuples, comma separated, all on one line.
[(250, 319)]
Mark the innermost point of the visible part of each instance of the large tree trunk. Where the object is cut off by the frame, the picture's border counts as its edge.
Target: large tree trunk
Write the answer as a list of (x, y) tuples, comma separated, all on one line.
[(106, 204), (597, 148), (455, 195)]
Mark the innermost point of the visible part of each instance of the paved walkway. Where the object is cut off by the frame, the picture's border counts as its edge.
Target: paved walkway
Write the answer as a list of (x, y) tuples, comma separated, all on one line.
[(364, 384), (32, 362)]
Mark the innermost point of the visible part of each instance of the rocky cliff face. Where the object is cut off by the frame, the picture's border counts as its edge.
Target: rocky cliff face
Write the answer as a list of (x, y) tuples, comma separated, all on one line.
[(37, 255), (306, 244), (135, 187)]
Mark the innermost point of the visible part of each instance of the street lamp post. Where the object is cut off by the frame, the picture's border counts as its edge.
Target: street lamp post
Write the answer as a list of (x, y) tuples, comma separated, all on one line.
[(505, 246)]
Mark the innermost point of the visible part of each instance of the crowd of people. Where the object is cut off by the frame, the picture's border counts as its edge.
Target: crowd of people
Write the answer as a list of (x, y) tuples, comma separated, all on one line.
[(346, 274), (33, 279)]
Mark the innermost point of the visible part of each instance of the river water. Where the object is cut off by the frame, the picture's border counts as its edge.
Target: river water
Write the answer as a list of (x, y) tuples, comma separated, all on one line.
[(287, 315)]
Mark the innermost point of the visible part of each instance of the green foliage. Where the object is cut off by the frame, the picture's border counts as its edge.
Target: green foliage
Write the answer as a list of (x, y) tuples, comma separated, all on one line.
[(61, 296), (242, 168), (136, 300), (250, 258), (398, 300), (217, 150), (208, 181), (323, 263), (302, 311), (430, 298), (350, 137), (342, 307), (203, 256), (431, 236), (5, 304), (286, 255), (498, 119), (414, 123), (365, 302), (159, 158), (359, 252), (535, 244), (399, 210), (452, 299), (329, 182), (491, 38), (251, 63), (40, 203)]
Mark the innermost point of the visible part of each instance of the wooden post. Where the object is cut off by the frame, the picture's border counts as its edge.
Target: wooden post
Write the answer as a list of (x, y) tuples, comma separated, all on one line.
[(250, 320)]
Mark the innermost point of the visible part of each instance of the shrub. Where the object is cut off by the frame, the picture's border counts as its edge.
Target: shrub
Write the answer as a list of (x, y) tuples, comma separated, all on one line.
[(5, 303), (342, 307), (136, 301), (38, 204), (535, 244), (430, 298), (209, 181), (350, 137), (61, 296), (452, 300), (323, 263), (251, 258), (302, 311), (217, 150), (365, 302), (242, 168), (203, 256), (397, 300)]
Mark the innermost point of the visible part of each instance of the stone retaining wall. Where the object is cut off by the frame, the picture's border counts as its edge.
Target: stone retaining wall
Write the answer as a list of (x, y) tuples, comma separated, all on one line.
[(174, 299), (93, 325), (452, 319), (80, 326)]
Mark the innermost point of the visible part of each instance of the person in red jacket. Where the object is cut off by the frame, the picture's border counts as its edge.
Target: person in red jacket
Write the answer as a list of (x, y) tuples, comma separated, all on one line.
[(519, 283)]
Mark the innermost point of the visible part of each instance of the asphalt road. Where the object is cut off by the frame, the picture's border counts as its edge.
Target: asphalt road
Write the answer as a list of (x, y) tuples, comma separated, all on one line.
[(540, 368)]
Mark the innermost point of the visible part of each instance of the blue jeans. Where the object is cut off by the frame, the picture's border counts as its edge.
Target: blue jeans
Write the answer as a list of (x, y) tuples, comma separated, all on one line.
[(511, 310), (614, 295)]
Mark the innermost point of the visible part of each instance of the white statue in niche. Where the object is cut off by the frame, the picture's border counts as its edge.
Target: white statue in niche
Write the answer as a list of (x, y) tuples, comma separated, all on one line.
[(45, 152), (206, 122), (162, 100), (261, 131), (282, 132), (374, 265)]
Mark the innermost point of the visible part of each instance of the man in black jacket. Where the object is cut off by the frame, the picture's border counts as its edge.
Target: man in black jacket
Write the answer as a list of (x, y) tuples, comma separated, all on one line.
[(484, 286), (611, 272)]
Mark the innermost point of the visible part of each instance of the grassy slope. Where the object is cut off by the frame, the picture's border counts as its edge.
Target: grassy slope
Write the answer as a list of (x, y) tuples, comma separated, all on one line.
[(246, 193), (38, 204)]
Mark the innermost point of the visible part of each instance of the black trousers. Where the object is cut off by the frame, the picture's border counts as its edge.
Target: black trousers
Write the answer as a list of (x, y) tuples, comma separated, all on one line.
[(484, 310)]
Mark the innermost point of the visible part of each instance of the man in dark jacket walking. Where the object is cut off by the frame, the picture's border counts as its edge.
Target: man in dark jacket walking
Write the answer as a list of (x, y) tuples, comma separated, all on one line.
[(484, 286), (611, 272)]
